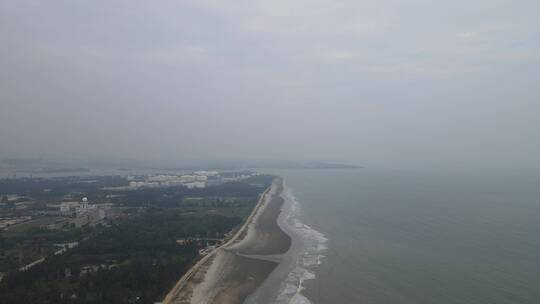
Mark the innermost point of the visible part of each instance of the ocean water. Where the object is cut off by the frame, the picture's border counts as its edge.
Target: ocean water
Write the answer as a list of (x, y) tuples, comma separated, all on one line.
[(394, 236)]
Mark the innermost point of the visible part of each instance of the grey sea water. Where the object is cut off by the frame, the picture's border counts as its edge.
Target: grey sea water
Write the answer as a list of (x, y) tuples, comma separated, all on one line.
[(391, 236)]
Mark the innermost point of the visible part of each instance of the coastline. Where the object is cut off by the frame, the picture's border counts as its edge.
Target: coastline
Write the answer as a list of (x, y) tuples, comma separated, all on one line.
[(296, 269), (233, 271)]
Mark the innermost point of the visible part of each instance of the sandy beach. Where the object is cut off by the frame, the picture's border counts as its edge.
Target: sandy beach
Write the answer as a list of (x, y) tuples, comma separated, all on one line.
[(236, 269)]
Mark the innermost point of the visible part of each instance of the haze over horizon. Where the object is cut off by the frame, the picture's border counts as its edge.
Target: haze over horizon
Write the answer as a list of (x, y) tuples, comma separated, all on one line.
[(447, 83)]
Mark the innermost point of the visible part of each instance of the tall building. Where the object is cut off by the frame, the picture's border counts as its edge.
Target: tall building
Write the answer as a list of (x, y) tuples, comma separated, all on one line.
[(84, 204)]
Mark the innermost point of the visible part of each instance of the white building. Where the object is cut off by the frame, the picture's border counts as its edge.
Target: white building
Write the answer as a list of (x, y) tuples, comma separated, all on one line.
[(159, 178), (85, 206), (206, 173), (201, 178), (196, 184), (64, 207), (187, 179), (84, 203)]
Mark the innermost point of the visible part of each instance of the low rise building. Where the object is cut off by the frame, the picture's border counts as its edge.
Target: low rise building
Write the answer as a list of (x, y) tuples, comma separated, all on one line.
[(88, 214), (201, 178), (196, 184), (187, 179), (206, 173)]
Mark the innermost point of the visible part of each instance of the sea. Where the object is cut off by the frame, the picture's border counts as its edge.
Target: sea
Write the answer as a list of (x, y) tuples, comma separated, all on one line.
[(385, 235)]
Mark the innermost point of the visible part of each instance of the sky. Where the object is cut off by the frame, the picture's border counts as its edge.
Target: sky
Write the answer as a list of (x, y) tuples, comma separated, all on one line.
[(363, 82)]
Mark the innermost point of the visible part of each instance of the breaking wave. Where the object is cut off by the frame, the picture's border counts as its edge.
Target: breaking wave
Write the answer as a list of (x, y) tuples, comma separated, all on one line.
[(309, 254)]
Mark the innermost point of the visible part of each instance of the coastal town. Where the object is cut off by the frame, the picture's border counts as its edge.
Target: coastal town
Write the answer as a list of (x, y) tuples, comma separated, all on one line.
[(82, 227), (18, 209)]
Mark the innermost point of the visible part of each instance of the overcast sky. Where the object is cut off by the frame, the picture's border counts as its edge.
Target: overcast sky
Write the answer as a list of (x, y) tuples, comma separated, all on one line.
[(454, 82)]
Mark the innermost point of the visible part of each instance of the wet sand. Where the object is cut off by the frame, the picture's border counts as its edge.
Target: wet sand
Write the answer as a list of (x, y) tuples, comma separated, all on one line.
[(264, 236), (236, 269), (243, 278)]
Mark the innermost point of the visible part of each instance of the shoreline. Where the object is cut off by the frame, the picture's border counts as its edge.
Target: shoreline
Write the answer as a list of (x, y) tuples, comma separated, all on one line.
[(234, 270)]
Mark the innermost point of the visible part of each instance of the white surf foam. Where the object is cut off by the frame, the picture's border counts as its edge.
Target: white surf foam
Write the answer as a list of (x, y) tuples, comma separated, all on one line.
[(308, 257)]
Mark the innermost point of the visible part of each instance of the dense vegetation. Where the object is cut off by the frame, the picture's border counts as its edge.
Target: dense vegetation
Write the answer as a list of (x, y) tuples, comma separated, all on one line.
[(135, 262)]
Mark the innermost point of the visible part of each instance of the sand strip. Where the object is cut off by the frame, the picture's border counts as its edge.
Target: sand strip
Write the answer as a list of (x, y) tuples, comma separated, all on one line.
[(236, 269)]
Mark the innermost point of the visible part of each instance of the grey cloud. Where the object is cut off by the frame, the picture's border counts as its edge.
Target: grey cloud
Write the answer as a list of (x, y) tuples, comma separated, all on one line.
[(356, 81)]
